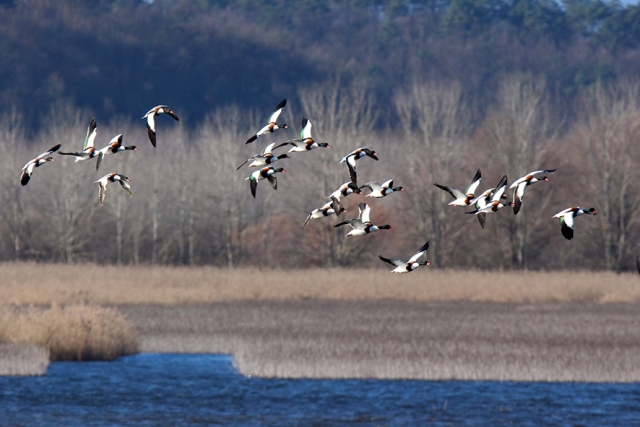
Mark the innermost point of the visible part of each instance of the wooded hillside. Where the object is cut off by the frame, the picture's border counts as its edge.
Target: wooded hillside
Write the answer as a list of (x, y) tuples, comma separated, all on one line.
[(115, 57), (438, 89)]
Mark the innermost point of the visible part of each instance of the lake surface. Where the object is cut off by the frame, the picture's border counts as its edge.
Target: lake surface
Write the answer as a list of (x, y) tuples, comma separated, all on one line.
[(197, 390)]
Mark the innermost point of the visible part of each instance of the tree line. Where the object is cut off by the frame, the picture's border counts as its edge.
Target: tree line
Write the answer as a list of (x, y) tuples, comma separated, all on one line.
[(191, 207)]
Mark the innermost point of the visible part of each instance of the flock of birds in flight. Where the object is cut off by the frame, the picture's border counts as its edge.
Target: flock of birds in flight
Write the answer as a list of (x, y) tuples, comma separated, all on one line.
[(491, 200)]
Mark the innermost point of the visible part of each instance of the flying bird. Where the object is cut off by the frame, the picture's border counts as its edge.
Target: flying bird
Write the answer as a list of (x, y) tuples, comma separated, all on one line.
[(112, 177), (27, 170), (496, 203), (306, 141), (409, 266), (383, 190), (567, 218), (267, 173), (363, 225), (151, 120), (322, 212), (88, 150), (266, 157), (460, 198), (483, 200), (272, 126), (114, 146), (522, 183), (343, 191), (350, 160)]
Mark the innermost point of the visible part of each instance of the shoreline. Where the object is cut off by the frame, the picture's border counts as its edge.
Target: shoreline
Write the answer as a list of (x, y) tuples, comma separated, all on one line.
[(389, 339)]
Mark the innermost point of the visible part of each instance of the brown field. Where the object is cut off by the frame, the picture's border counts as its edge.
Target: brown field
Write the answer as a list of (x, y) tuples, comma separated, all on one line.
[(74, 332), (31, 283), (401, 339)]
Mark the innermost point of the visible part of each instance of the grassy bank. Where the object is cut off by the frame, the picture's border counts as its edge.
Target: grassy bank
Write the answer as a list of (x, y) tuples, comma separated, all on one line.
[(69, 333), (29, 283)]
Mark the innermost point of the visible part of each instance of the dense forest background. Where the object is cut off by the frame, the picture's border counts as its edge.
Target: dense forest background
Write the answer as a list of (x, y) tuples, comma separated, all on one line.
[(438, 88)]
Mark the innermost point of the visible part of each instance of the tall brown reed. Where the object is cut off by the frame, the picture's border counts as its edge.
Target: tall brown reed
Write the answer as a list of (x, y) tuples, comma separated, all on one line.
[(75, 332)]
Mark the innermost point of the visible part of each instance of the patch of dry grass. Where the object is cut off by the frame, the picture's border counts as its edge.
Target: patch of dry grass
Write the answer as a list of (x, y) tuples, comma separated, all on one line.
[(75, 332), (30, 283), (401, 339), (23, 359)]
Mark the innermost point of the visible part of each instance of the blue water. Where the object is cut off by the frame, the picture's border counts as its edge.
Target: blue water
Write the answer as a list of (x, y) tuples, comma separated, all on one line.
[(198, 390)]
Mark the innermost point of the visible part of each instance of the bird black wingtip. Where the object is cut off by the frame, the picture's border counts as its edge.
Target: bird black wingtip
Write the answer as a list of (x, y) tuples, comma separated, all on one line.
[(567, 232), (281, 104)]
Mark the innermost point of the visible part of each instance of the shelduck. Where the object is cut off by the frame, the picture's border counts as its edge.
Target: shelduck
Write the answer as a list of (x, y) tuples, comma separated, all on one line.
[(114, 146), (363, 225), (496, 203), (306, 141), (323, 212), (409, 266), (88, 150), (27, 170), (484, 199), (460, 198), (271, 126), (350, 160), (151, 120), (522, 183), (112, 177), (266, 157), (383, 190), (267, 173), (567, 218), (343, 191)]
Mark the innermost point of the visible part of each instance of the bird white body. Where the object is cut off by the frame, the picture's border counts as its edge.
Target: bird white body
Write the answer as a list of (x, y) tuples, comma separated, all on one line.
[(362, 225), (408, 266), (462, 198)]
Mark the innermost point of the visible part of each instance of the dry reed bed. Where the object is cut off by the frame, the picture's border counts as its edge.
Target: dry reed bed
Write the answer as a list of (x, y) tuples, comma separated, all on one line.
[(31, 283), (23, 359), (400, 339), (74, 332)]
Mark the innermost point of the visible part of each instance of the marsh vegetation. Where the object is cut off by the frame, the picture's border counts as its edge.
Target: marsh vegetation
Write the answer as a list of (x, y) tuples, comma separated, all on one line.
[(71, 332), (29, 283)]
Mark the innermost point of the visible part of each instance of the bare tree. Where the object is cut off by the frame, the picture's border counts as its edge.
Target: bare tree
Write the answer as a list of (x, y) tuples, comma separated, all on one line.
[(610, 133), (344, 116), (519, 131), (12, 144), (435, 126), (220, 143)]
